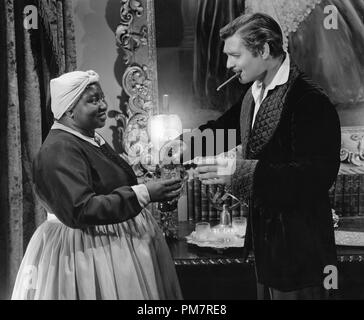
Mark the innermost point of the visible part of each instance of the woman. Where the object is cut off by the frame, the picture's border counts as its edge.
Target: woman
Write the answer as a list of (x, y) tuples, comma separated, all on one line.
[(98, 242)]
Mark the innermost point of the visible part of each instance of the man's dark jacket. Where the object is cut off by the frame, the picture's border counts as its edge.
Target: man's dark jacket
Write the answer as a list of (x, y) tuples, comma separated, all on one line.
[(289, 160)]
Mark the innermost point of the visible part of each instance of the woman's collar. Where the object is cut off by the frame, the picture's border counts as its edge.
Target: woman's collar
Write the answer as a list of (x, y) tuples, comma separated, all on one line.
[(61, 126)]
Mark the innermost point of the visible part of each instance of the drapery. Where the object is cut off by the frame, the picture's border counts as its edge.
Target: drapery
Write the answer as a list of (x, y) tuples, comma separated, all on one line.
[(28, 59)]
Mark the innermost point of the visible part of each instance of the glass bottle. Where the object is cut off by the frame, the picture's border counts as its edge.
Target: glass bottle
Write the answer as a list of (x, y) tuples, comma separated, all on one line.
[(225, 218)]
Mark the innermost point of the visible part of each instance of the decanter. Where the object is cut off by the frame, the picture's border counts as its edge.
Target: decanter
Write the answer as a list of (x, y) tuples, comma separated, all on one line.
[(225, 217)]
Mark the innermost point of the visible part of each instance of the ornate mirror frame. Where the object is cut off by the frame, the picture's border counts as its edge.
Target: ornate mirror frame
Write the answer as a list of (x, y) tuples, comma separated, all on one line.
[(352, 145), (135, 35)]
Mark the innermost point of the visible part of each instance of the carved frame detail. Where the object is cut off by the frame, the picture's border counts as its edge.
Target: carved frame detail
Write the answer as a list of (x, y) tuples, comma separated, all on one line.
[(135, 35), (352, 145)]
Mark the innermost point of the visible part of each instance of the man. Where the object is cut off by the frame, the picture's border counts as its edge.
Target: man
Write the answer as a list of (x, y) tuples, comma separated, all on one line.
[(290, 147)]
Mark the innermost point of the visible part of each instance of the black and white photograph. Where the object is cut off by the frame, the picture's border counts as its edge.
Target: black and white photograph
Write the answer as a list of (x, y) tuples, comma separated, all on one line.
[(202, 152)]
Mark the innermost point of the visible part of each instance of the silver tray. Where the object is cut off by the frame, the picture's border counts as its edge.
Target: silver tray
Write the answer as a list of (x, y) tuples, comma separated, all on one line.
[(234, 242)]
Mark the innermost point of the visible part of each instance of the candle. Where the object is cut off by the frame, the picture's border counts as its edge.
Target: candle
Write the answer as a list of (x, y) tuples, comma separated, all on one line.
[(165, 105)]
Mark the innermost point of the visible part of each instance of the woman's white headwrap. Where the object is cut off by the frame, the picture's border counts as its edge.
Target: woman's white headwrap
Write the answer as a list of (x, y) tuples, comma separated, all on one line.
[(66, 89)]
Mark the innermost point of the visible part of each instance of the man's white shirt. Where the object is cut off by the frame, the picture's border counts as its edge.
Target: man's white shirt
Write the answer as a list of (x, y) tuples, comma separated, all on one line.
[(280, 78)]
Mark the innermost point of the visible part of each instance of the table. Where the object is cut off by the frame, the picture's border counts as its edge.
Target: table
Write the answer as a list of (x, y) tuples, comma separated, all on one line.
[(206, 273)]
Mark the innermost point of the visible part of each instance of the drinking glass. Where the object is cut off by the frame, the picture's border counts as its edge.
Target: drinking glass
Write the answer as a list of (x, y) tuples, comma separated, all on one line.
[(202, 230), (239, 226)]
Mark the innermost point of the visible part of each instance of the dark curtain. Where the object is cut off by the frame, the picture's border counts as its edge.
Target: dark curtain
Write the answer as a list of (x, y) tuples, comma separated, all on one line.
[(209, 60), (28, 60)]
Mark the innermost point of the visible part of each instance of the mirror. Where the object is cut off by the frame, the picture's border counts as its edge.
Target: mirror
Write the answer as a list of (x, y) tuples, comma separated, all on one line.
[(161, 62), (172, 47), (190, 61)]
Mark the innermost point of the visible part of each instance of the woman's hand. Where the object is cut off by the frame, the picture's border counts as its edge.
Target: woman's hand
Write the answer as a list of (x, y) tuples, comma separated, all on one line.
[(164, 190)]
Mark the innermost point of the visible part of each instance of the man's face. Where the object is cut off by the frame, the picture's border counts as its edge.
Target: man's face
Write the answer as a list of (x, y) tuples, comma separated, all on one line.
[(242, 61)]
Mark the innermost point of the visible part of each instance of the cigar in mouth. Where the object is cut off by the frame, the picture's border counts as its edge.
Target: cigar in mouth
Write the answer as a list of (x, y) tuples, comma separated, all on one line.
[(236, 75)]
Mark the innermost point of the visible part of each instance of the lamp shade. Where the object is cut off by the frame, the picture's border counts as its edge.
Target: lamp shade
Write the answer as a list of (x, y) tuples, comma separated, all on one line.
[(162, 128)]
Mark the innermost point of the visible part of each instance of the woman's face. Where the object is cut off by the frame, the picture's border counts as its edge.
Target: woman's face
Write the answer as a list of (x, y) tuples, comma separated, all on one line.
[(90, 111)]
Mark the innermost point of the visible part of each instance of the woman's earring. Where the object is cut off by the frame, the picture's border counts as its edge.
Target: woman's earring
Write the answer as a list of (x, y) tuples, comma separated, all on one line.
[(72, 115)]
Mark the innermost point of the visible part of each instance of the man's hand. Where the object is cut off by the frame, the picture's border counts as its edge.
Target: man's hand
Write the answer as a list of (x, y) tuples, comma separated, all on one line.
[(215, 170)]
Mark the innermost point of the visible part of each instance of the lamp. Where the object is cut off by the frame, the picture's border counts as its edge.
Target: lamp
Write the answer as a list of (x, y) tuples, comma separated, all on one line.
[(162, 128)]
